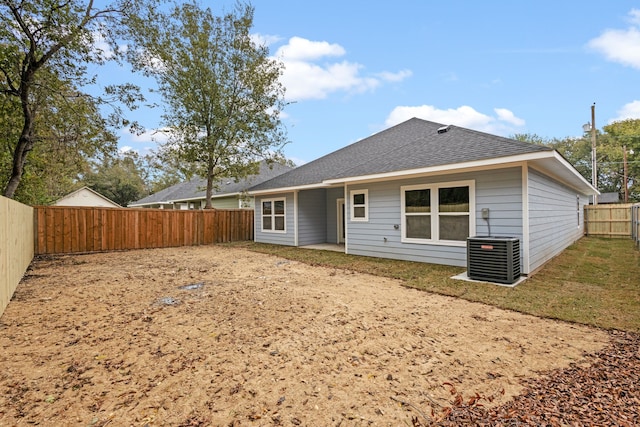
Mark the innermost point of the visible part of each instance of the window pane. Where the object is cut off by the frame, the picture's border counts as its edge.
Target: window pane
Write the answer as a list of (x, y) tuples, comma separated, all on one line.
[(454, 227), (266, 208), (279, 223), (454, 199), (266, 223), (419, 227), (279, 207), (358, 212), (417, 201), (358, 199)]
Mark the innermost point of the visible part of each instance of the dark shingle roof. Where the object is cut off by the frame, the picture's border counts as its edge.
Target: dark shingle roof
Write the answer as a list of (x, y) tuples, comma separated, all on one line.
[(409, 145), (196, 187)]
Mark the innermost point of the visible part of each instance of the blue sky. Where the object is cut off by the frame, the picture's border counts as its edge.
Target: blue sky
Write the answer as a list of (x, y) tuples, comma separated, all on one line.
[(353, 68)]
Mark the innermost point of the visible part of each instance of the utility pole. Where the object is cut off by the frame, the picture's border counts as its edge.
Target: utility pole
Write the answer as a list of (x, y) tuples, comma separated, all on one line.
[(594, 170), (624, 165)]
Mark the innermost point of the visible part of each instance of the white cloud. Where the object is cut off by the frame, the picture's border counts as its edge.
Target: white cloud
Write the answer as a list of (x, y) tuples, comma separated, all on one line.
[(151, 136), (634, 16), (312, 71), (628, 111), (508, 116), (299, 49), (622, 46), (264, 39), (503, 123), (101, 48), (395, 77)]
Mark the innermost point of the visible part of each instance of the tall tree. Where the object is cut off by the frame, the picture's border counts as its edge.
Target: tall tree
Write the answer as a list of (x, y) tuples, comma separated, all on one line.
[(44, 41), (73, 133), (221, 90), (618, 137), (119, 178)]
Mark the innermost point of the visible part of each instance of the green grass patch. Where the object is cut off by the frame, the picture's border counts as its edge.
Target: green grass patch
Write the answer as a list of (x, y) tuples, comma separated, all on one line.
[(594, 282)]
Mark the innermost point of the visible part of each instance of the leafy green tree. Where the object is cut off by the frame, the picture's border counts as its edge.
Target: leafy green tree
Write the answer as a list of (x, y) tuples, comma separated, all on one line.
[(118, 178), (221, 90), (618, 137), (73, 132), (45, 46), (160, 172)]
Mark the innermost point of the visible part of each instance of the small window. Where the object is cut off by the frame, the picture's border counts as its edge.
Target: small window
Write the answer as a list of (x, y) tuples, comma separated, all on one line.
[(273, 215), (578, 208), (359, 205)]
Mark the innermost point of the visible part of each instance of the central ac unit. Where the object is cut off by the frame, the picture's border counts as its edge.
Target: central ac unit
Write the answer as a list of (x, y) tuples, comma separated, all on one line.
[(493, 259)]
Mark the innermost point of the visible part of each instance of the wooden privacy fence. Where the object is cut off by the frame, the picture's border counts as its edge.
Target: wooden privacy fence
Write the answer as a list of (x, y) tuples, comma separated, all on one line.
[(16, 246), (635, 223), (62, 229), (608, 220)]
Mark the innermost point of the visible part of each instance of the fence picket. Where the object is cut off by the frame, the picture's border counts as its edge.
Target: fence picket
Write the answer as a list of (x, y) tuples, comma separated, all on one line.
[(608, 220), (66, 229)]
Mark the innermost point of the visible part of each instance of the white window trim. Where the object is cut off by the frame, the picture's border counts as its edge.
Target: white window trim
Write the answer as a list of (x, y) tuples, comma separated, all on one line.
[(352, 206), (273, 215), (435, 214)]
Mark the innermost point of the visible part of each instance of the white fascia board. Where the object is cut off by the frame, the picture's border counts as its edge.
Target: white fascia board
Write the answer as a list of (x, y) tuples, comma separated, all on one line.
[(192, 199), (449, 168), (288, 189)]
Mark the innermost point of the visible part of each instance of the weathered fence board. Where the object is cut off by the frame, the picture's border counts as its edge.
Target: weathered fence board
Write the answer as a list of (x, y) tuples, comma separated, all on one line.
[(65, 229), (608, 220)]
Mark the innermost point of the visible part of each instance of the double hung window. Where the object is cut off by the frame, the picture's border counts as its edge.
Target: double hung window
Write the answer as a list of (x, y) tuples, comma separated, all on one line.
[(438, 213), (359, 205), (273, 215)]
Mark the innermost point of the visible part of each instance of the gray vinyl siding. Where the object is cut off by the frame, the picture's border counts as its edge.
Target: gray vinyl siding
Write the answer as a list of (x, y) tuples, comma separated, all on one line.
[(312, 221), (554, 220), (333, 194), (277, 238), (500, 191)]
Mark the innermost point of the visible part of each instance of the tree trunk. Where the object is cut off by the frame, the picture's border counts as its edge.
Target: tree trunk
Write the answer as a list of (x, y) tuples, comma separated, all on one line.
[(209, 191), (25, 144)]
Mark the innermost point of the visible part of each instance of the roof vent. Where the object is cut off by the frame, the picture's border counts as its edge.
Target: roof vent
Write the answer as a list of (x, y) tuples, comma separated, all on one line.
[(444, 129)]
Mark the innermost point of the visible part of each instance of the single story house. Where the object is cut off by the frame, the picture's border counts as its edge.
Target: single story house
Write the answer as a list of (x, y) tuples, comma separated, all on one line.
[(227, 194), (86, 197), (418, 190)]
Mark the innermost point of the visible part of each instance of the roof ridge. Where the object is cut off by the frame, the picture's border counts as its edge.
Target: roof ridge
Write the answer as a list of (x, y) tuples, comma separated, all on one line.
[(395, 147)]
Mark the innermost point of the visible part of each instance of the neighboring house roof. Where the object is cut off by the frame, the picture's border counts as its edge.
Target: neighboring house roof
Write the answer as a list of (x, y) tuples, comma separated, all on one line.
[(86, 197), (419, 146), (195, 189), (607, 198)]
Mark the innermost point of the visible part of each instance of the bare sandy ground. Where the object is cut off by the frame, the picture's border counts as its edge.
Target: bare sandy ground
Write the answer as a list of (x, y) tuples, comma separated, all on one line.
[(223, 336)]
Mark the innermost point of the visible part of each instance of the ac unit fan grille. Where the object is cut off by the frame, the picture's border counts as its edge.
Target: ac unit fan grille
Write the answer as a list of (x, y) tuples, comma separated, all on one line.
[(493, 259)]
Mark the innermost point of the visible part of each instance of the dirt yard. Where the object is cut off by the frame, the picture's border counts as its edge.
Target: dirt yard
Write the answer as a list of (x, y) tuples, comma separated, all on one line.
[(223, 336)]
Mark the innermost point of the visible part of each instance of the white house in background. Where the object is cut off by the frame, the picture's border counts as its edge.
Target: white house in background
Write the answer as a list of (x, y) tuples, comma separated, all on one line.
[(418, 190), (86, 197), (227, 194)]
